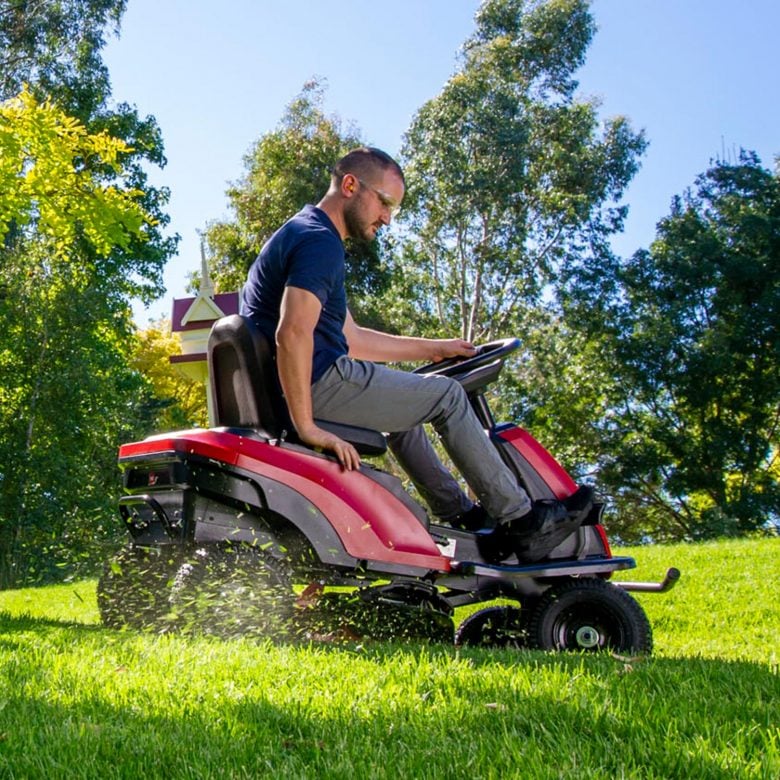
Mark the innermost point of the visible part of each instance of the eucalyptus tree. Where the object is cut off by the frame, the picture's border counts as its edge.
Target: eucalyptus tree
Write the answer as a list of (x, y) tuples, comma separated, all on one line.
[(510, 173)]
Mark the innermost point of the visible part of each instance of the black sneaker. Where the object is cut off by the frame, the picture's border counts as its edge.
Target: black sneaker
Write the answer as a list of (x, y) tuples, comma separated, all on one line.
[(473, 520), (552, 523), (535, 535), (495, 544), (580, 502)]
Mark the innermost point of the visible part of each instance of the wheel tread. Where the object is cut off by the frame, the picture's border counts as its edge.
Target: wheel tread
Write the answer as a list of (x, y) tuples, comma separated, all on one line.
[(604, 600)]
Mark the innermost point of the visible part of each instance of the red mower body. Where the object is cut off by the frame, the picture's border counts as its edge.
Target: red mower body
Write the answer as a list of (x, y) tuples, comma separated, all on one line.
[(200, 502)]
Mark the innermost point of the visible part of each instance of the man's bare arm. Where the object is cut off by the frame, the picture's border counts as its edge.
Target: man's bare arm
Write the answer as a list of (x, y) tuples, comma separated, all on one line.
[(367, 344), (300, 311)]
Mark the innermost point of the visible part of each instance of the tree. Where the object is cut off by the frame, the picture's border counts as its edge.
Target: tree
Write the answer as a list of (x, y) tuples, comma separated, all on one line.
[(508, 174), (51, 49), (83, 235), (286, 169), (68, 399), (50, 181), (66, 392), (54, 46), (689, 331), (178, 402)]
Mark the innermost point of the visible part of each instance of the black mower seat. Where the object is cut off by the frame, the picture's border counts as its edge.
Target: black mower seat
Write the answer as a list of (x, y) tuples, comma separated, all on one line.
[(246, 392)]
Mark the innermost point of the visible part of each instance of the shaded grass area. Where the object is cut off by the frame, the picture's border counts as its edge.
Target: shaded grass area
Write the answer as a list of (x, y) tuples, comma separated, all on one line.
[(78, 700)]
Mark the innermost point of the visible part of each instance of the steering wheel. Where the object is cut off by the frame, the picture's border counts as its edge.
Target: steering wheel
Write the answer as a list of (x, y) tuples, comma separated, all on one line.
[(486, 353)]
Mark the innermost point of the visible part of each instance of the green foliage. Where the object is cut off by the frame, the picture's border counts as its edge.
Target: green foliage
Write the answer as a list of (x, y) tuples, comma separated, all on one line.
[(83, 234), (51, 49), (67, 398), (286, 169), (508, 174), (179, 402), (559, 390), (706, 705), (50, 180), (66, 390), (689, 332), (54, 46)]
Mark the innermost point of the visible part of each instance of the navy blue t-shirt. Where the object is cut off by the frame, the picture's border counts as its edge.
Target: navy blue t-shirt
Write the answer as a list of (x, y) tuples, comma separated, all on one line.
[(306, 252)]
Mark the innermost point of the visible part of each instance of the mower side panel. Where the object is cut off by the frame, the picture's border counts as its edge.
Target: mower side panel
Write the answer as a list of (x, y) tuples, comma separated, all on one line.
[(369, 522), (211, 502), (218, 522)]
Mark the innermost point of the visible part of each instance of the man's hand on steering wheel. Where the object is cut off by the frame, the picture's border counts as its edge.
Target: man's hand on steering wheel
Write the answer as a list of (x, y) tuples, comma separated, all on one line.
[(451, 348)]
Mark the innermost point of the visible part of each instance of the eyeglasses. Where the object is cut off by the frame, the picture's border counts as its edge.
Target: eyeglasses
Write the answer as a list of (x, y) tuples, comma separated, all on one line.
[(386, 201)]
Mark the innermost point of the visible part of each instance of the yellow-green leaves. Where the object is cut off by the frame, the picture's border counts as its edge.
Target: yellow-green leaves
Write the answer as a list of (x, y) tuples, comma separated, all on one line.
[(54, 177)]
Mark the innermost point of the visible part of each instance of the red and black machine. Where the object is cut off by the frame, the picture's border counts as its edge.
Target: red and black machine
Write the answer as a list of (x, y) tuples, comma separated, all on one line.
[(243, 529)]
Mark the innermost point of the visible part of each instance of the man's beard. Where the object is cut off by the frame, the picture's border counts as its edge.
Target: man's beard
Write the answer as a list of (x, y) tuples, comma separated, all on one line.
[(356, 226)]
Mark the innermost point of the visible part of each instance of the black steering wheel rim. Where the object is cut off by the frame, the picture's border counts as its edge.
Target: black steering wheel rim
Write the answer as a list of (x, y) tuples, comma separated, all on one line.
[(486, 353)]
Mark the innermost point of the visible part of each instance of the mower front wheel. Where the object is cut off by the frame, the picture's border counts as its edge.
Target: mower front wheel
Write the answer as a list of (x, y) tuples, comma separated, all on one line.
[(589, 615), (496, 627)]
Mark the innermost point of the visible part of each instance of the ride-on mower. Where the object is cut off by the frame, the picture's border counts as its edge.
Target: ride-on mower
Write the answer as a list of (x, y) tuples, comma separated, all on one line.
[(242, 529)]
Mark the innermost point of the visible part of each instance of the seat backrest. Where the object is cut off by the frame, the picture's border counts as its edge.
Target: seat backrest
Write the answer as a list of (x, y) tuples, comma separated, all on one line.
[(244, 384), (246, 392)]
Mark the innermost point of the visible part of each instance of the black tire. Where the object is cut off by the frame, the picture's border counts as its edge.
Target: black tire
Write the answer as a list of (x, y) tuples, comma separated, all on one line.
[(133, 590), (496, 627), (589, 615), (231, 591)]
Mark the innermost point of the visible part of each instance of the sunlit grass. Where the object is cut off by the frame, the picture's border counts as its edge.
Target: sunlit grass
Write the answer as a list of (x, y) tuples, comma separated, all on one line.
[(78, 700), (726, 604)]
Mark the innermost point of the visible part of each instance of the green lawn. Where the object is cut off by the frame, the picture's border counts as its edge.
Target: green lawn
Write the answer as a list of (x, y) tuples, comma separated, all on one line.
[(81, 701)]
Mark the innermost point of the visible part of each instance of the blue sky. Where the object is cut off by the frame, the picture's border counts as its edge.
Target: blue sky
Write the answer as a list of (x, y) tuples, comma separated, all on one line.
[(699, 76)]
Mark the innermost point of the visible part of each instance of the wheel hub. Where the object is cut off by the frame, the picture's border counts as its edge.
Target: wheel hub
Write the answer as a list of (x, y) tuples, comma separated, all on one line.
[(587, 637)]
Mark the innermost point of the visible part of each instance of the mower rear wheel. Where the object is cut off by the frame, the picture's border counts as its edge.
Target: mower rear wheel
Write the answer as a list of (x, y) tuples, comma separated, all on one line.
[(589, 615), (133, 590), (498, 627), (231, 591)]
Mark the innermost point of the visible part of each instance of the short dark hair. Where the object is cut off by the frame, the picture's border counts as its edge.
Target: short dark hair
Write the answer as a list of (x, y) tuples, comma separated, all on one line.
[(363, 162)]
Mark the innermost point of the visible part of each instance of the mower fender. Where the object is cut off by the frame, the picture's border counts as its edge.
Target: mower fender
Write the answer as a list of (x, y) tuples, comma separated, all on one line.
[(298, 511)]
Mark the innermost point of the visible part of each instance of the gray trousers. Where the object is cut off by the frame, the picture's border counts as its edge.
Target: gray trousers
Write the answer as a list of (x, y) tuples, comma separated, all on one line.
[(368, 395)]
